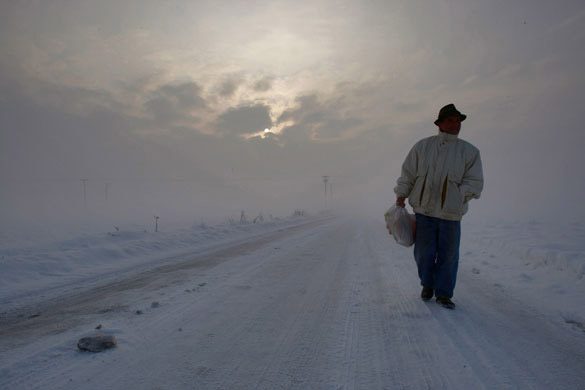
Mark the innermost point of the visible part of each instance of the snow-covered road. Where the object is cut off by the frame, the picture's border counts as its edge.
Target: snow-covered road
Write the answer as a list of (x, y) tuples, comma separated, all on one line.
[(333, 304)]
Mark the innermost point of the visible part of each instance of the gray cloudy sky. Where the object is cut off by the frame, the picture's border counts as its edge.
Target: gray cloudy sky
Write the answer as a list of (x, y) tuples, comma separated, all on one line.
[(221, 105)]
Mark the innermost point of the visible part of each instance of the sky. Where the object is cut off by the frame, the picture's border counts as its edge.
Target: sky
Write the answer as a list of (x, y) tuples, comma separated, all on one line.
[(199, 109)]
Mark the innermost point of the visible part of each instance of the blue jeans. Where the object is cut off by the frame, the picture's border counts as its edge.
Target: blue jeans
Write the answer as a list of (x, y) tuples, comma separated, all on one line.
[(436, 251)]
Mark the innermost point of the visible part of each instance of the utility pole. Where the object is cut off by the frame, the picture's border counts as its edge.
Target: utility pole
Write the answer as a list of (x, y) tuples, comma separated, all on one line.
[(107, 188), (325, 180), (84, 195), (331, 194)]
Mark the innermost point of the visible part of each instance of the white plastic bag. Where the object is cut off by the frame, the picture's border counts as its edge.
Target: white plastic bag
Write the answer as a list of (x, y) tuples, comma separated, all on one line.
[(401, 224)]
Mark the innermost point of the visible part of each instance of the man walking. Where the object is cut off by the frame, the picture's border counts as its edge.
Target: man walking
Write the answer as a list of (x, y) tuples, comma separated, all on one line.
[(439, 176)]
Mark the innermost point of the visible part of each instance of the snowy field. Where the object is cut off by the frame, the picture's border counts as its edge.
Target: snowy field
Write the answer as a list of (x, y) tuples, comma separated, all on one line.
[(29, 268), (315, 302)]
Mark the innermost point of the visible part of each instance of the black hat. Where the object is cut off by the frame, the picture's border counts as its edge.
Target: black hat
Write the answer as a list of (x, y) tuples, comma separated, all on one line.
[(447, 111)]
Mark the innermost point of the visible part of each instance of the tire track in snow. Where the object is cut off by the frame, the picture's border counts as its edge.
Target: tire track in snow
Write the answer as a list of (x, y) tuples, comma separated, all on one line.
[(241, 352), (298, 363), (423, 357)]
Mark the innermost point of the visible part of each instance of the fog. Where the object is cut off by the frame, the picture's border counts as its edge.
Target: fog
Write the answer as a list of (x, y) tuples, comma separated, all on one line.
[(195, 111)]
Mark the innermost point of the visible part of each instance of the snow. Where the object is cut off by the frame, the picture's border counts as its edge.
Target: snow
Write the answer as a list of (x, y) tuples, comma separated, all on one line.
[(30, 267), (543, 262), (320, 302)]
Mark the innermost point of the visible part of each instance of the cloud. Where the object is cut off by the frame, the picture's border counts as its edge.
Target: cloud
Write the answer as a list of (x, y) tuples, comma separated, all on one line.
[(171, 103), (304, 104), (321, 118), (264, 84), (244, 120), (295, 135), (228, 87)]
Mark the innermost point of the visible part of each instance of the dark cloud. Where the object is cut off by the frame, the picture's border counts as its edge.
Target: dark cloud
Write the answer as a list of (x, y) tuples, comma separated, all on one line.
[(295, 135), (229, 87), (172, 102), (18, 86), (324, 119), (244, 120), (264, 84), (43, 139), (305, 103)]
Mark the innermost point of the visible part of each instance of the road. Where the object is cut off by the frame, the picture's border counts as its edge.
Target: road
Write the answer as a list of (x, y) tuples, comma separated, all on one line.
[(333, 304)]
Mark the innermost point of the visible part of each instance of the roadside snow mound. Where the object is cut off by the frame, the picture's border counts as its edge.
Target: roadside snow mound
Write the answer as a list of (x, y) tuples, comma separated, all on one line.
[(34, 267)]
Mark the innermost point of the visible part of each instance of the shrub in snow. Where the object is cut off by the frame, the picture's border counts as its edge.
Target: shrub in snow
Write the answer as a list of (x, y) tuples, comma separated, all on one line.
[(112, 233), (243, 218), (298, 213), (96, 343)]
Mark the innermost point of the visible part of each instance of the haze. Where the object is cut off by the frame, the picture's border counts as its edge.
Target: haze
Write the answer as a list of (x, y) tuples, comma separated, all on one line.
[(194, 111)]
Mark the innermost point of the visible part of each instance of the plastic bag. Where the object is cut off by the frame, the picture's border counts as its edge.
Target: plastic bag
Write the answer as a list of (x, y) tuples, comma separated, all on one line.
[(401, 224)]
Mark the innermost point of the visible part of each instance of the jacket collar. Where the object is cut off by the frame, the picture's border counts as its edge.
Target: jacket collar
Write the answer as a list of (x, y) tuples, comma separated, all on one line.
[(446, 137)]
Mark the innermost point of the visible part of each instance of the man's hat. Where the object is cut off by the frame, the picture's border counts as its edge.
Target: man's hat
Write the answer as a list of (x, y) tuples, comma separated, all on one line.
[(447, 111)]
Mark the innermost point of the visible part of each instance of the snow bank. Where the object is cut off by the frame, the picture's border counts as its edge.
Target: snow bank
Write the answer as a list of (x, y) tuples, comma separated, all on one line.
[(26, 269), (559, 247), (541, 263)]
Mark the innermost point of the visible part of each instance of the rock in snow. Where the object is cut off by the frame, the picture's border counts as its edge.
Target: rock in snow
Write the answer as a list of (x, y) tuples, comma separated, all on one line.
[(96, 343)]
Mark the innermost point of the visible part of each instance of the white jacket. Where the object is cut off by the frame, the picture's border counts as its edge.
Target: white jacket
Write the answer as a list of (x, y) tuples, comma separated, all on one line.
[(440, 175)]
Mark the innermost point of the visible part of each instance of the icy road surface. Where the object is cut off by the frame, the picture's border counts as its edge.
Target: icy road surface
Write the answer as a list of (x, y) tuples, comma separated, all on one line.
[(329, 304)]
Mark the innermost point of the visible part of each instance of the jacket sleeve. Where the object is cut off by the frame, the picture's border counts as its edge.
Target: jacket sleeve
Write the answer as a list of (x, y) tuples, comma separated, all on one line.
[(407, 177), (472, 183)]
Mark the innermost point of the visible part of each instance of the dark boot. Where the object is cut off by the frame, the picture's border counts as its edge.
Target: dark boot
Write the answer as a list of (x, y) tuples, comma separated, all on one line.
[(426, 293), (446, 302)]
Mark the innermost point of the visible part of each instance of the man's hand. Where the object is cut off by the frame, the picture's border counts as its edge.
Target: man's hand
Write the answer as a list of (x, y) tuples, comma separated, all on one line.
[(400, 201)]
